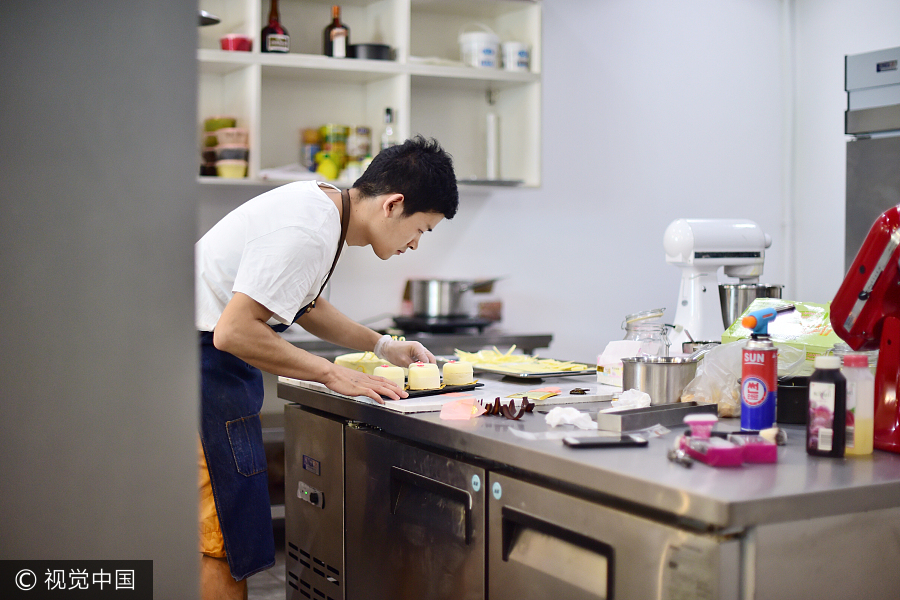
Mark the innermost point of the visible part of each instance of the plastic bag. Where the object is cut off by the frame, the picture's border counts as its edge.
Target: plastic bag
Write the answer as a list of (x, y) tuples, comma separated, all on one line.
[(719, 373)]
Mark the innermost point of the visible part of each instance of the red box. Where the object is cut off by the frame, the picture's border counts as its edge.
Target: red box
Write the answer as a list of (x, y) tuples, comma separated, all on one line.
[(236, 41)]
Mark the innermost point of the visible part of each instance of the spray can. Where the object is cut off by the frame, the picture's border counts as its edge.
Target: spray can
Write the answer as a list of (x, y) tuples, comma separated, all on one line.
[(759, 384), (759, 371)]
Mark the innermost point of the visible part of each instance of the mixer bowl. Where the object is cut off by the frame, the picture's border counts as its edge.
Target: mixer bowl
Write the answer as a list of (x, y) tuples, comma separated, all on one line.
[(736, 297)]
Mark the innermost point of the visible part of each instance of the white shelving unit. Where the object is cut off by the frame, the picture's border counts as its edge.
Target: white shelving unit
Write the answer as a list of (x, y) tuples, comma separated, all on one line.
[(276, 96)]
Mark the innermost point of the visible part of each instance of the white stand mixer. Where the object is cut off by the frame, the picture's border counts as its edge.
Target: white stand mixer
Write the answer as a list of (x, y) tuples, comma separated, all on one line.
[(700, 247)]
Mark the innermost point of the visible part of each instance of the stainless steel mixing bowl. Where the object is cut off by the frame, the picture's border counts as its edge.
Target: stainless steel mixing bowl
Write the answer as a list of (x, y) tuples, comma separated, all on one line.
[(663, 378), (736, 297)]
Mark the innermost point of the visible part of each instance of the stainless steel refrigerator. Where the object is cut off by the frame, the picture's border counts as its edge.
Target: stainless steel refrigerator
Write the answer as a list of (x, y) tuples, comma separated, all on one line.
[(872, 82)]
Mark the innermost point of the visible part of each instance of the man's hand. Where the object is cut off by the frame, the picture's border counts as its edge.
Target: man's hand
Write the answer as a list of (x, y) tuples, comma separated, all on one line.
[(355, 383), (402, 354)]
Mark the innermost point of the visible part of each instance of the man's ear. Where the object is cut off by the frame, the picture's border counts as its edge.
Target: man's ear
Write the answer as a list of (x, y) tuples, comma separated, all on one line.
[(392, 204)]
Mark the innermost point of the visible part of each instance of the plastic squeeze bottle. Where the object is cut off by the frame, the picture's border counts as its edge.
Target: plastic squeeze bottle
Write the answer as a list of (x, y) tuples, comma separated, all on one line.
[(827, 415), (860, 404)]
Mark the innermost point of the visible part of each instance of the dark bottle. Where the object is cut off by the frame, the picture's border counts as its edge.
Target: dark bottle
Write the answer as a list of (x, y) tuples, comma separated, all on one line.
[(827, 414), (336, 36), (275, 37)]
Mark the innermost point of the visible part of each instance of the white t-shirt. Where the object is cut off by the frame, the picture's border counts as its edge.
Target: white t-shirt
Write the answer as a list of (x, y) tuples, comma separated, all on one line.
[(276, 248)]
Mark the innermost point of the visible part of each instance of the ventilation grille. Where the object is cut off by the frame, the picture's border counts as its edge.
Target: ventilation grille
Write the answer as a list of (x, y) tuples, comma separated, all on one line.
[(310, 577)]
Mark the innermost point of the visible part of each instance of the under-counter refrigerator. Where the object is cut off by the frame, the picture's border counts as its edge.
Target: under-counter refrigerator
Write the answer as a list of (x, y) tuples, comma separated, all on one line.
[(872, 82)]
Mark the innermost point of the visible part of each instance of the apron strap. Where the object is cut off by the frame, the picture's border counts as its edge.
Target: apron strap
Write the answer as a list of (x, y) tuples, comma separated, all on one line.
[(345, 223)]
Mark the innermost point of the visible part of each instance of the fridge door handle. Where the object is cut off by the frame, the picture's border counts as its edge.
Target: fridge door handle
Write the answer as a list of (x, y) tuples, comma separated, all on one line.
[(534, 541), (401, 477)]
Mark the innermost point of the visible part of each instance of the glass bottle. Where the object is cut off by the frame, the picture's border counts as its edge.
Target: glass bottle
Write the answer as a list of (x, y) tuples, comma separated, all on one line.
[(827, 414), (336, 35), (388, 136), (274, 36)]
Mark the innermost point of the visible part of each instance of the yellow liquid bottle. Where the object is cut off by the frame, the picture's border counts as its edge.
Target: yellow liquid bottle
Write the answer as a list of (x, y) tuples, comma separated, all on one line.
[(860, 405)]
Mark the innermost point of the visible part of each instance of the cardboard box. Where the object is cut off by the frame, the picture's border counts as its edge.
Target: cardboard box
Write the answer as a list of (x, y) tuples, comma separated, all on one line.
[(808, 328)]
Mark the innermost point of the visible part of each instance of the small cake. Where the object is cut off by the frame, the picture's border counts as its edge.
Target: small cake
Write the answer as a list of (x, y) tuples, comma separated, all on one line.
[(364, 362), (424, 376), (391, 373), (458, 373)]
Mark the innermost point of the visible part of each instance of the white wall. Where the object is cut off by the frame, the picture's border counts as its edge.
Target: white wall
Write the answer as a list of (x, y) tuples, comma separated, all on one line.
[(829, 30), (652, 111)]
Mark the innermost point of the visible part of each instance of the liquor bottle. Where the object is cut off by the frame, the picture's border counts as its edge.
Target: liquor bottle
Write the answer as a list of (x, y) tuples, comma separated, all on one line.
[(336, 36), (275, 37), (388, 136)]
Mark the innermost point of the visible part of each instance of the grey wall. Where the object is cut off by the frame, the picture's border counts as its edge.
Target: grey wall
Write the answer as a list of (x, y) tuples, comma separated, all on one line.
[(99, 373)]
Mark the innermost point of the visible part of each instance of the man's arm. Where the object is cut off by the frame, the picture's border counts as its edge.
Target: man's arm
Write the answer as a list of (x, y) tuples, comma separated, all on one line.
[(328, 323), (243, 332)]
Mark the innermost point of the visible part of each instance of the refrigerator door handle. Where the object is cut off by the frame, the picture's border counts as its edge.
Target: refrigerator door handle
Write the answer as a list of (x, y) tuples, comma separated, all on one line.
[(402, 477)]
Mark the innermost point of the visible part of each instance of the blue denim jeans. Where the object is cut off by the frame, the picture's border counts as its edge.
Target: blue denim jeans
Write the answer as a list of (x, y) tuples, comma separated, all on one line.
[(231, 432)]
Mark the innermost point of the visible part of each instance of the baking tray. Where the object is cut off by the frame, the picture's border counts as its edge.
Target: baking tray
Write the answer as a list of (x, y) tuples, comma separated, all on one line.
[(447, 389), (633, 419), (591, 370)]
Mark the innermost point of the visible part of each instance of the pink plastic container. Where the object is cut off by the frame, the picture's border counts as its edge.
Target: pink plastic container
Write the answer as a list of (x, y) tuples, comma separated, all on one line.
[(237, 42), (715, 452)]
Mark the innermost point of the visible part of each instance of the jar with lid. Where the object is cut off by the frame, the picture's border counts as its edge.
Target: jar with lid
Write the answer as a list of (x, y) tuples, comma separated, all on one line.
[(645, 328), (842, 350)]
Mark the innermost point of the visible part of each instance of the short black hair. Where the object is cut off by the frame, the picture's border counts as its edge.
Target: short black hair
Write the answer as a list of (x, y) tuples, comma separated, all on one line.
[(420, 170)]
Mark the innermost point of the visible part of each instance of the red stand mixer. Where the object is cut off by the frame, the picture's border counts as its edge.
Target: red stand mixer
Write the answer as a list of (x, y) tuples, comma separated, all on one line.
[(865, 313)]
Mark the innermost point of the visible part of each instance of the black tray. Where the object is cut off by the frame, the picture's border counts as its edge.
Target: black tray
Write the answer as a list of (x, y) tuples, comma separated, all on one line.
[(447, 389)]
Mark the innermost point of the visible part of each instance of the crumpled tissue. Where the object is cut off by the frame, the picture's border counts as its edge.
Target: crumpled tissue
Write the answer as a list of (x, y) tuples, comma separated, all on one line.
[(462, 409), (566, 415), (631, 399)]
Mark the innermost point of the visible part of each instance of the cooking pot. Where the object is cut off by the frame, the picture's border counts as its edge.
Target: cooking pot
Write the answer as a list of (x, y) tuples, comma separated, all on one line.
[(662, 377), (434, 298)]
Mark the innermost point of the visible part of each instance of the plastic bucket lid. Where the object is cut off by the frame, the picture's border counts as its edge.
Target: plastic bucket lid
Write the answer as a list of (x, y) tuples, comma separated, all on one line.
[(485, 36)]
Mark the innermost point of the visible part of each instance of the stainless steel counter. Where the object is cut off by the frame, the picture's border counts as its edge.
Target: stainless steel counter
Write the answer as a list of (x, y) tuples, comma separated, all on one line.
[(725, 500)]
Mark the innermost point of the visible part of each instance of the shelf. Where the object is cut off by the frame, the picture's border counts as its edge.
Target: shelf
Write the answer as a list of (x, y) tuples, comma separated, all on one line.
[(276, 96), (315, 67)]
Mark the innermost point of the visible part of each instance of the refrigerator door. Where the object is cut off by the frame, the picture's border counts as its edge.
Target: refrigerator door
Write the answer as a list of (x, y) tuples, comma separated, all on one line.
[(545, 544), (415, 522), (873, 186), (313, 505)]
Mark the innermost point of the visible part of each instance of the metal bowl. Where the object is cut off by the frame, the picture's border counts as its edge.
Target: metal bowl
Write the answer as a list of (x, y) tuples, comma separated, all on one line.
[(663, 378), (736, 297)]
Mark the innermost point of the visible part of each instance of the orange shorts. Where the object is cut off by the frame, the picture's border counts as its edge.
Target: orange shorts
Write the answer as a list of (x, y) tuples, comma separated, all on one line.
[(211, 541)]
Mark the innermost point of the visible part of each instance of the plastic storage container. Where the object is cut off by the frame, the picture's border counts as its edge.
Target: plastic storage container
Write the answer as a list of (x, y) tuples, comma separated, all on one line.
[(480, 48), (860, 405)]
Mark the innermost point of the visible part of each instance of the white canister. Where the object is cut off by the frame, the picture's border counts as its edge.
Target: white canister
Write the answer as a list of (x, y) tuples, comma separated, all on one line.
[(480, 48), (515, 56)]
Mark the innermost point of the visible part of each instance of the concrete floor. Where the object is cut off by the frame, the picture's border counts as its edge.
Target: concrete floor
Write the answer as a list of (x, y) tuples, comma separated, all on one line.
[(270, 584)]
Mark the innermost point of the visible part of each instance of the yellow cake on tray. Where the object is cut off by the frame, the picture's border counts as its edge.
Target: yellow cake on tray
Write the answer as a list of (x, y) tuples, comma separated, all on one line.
[(424, 376), (365, 362), (458, 372), (391, 373)]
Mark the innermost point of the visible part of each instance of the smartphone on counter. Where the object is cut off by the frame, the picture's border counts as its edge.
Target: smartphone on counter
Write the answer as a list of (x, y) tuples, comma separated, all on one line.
[(626, 439)]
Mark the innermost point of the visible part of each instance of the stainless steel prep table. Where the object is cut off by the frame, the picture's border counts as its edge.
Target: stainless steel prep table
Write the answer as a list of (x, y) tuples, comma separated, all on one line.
[(751, 504)]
